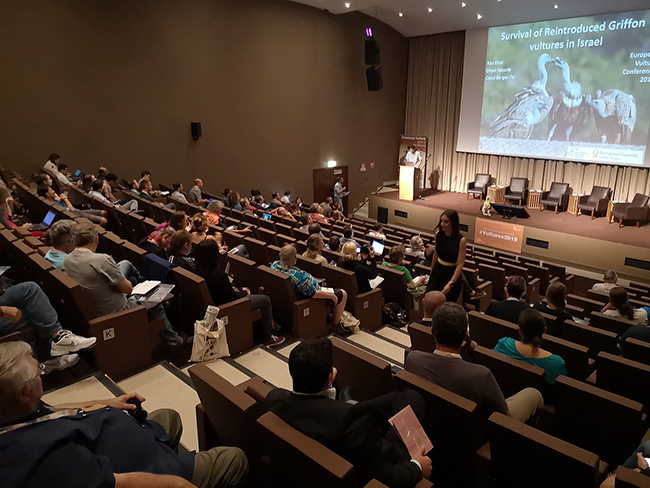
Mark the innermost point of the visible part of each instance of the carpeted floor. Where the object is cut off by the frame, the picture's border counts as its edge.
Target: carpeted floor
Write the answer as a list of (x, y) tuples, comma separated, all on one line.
[(562, 222)]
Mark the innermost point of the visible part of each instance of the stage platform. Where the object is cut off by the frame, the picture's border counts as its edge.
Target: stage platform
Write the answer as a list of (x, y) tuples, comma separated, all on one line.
[(565, 238)]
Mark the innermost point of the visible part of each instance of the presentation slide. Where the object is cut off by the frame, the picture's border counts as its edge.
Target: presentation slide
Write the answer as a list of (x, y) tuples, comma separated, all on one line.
[(573, 89)]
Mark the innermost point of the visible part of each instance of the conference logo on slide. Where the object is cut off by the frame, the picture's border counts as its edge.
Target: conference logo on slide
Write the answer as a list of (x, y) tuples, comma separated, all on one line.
[(575, 89)]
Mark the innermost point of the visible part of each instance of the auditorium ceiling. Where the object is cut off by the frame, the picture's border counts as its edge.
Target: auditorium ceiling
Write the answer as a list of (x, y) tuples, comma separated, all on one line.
[(450, 15)]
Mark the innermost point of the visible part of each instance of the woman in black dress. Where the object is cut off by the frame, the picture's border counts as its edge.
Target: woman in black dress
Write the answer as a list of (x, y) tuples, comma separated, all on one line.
[(448, 257)]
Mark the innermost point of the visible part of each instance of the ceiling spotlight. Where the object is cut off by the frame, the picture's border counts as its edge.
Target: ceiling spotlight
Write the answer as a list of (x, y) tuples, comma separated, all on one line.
[(478, 16), (401, 14), (430, 9), (555, 6), (347, 5), (331, 164), (463, 4)]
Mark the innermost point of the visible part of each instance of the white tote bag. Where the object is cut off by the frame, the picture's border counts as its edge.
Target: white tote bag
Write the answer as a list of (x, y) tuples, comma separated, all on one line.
[(210, 340)]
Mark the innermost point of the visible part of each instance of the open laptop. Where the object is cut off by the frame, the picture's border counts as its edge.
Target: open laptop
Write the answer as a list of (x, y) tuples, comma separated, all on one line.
[(47, 221)]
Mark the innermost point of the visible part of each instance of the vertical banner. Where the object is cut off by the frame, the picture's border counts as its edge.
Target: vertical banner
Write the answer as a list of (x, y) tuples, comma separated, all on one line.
[(499, 235), (416, 157)]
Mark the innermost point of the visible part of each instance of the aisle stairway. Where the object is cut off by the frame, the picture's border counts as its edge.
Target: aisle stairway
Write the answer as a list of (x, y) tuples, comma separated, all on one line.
[(165, 386)]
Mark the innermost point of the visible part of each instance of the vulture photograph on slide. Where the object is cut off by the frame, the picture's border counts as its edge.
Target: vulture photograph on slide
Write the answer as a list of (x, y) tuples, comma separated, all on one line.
[(568, 89)]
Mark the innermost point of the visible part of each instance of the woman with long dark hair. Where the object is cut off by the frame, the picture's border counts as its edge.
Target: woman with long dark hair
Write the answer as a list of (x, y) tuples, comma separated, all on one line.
[(619, 306), (448, 257)]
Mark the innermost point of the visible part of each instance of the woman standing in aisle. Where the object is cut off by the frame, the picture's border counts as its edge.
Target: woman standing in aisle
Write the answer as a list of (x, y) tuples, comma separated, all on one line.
[(448, 257)]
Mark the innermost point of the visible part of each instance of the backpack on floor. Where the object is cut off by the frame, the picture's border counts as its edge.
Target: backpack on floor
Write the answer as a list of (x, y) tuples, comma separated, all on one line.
[(393, 314)]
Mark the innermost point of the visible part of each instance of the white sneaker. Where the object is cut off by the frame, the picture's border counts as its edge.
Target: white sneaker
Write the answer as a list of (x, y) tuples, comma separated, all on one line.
[(67, 342), (60, 363)]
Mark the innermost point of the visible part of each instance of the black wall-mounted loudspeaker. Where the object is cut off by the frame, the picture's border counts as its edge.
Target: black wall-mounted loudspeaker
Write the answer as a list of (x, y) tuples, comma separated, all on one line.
[(373, 77), (373, 56), (196, 130)]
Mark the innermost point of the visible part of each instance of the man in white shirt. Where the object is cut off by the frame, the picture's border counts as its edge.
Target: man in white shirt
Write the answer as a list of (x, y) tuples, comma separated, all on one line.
[(338, 192), (286, 198), (97, 185), (610, 278), (178, 192), (413, 157)]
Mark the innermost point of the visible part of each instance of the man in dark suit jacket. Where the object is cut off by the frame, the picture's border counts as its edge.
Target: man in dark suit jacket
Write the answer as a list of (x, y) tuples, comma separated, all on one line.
[(358, 432), (510, 308)]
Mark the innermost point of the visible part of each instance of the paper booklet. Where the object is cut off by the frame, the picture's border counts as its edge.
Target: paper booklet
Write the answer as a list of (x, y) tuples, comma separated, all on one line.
[(409, 429)]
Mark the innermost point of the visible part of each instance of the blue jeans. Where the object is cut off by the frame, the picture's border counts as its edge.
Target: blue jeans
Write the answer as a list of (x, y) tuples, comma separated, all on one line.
[(35, 307), (130, 272)]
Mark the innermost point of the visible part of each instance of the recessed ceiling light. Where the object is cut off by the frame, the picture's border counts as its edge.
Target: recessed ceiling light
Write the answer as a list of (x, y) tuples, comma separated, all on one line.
[(430, 9), (463, 4), (555, 6), (478, 16), (347, 5), (401, 14)]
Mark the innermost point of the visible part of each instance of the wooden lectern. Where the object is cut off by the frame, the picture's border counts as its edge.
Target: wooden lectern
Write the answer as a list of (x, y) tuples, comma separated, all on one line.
[(409, 183)]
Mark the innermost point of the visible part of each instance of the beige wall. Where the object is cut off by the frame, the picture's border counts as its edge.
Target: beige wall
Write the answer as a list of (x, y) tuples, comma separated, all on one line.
[(279, 88)]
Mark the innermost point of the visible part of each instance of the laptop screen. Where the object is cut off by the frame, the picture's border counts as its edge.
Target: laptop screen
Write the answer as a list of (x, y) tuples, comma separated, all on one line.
[(267, 216), (49, 218), (378, 247)]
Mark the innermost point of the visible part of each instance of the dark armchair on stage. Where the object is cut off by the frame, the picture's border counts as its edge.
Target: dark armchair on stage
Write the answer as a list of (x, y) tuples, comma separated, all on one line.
[(479, 186), (518, 190), (596, 202), (557, 196), (637, 210)]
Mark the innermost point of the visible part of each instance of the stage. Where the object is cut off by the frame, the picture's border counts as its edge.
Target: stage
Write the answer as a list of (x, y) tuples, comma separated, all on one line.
[(564, 238)]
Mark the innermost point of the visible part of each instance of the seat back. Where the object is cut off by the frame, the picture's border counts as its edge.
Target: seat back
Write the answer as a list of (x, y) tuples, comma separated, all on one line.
[(627, 478), (257, 251), (313, 268), (497, 276), (422, 338), (245, 272), (268, 236), (557, 190), (297, 458), (639, 200), (232, 413), (482, 180), (522, 456), (511, 374), (193, 293), (394, 286), (370, 375), (618, 325), (595, 339), (576, 356), (454, 426), (487, 330), (599, 193), (624, 377), (279, 288), (606, 424), (518, 185), (156, 268), (636, 350)]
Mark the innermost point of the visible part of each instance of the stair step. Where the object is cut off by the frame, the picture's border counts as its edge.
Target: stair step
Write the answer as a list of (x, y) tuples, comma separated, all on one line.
[(81, 391), (379, 346), (223, 369), (395, 335), (268, 365)]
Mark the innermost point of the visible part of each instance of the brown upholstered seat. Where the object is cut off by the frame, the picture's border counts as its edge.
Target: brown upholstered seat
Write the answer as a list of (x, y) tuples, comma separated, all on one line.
[(637, 210), (517, 190), (596, 202), (479, 186), (557, 196)]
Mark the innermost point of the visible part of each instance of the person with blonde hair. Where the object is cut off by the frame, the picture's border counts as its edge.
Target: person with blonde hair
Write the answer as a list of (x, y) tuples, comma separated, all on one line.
[(315, 245), (361, 264)]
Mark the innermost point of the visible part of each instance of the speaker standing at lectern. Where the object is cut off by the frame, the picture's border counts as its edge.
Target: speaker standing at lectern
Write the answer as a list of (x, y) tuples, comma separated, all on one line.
[(413, 157)]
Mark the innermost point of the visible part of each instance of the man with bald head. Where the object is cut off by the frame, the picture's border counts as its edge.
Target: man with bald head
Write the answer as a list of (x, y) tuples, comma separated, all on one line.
[(195, 196), (430, 302), (306, 286)]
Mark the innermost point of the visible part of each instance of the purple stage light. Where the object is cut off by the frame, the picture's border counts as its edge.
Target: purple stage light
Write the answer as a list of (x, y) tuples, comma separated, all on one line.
[(368, 32)]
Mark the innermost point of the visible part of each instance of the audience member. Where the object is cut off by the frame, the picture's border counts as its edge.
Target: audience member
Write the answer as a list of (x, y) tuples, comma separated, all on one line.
[(358, 432), (25, 304), (96, 192), (337, 213), (213, 214), (609, 281), (306, 286), (315, 246), (51, 166), (638, 332), (275, 200), (87, 183), (376, 232), (286, 198), (111, 179), (510, 308), (396, 261), (233, 200), (326, 207), (556, 298), (446, 368), (179, 221), (104, 282), (619, 306), (431, 301), (246, 206), (416, 246), (94, 443), (157, 242), (316, 212), (284, 213), (195, 195), (348, 236), (306, 221), (239, 250), (102, 171), (636, 462), (180, 248), (334, 244), (199, 226), (362, 265), (177, 192), (94, 215), (62, 175), (62, 242), (222, 291), (532, 327), (146, 190)]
